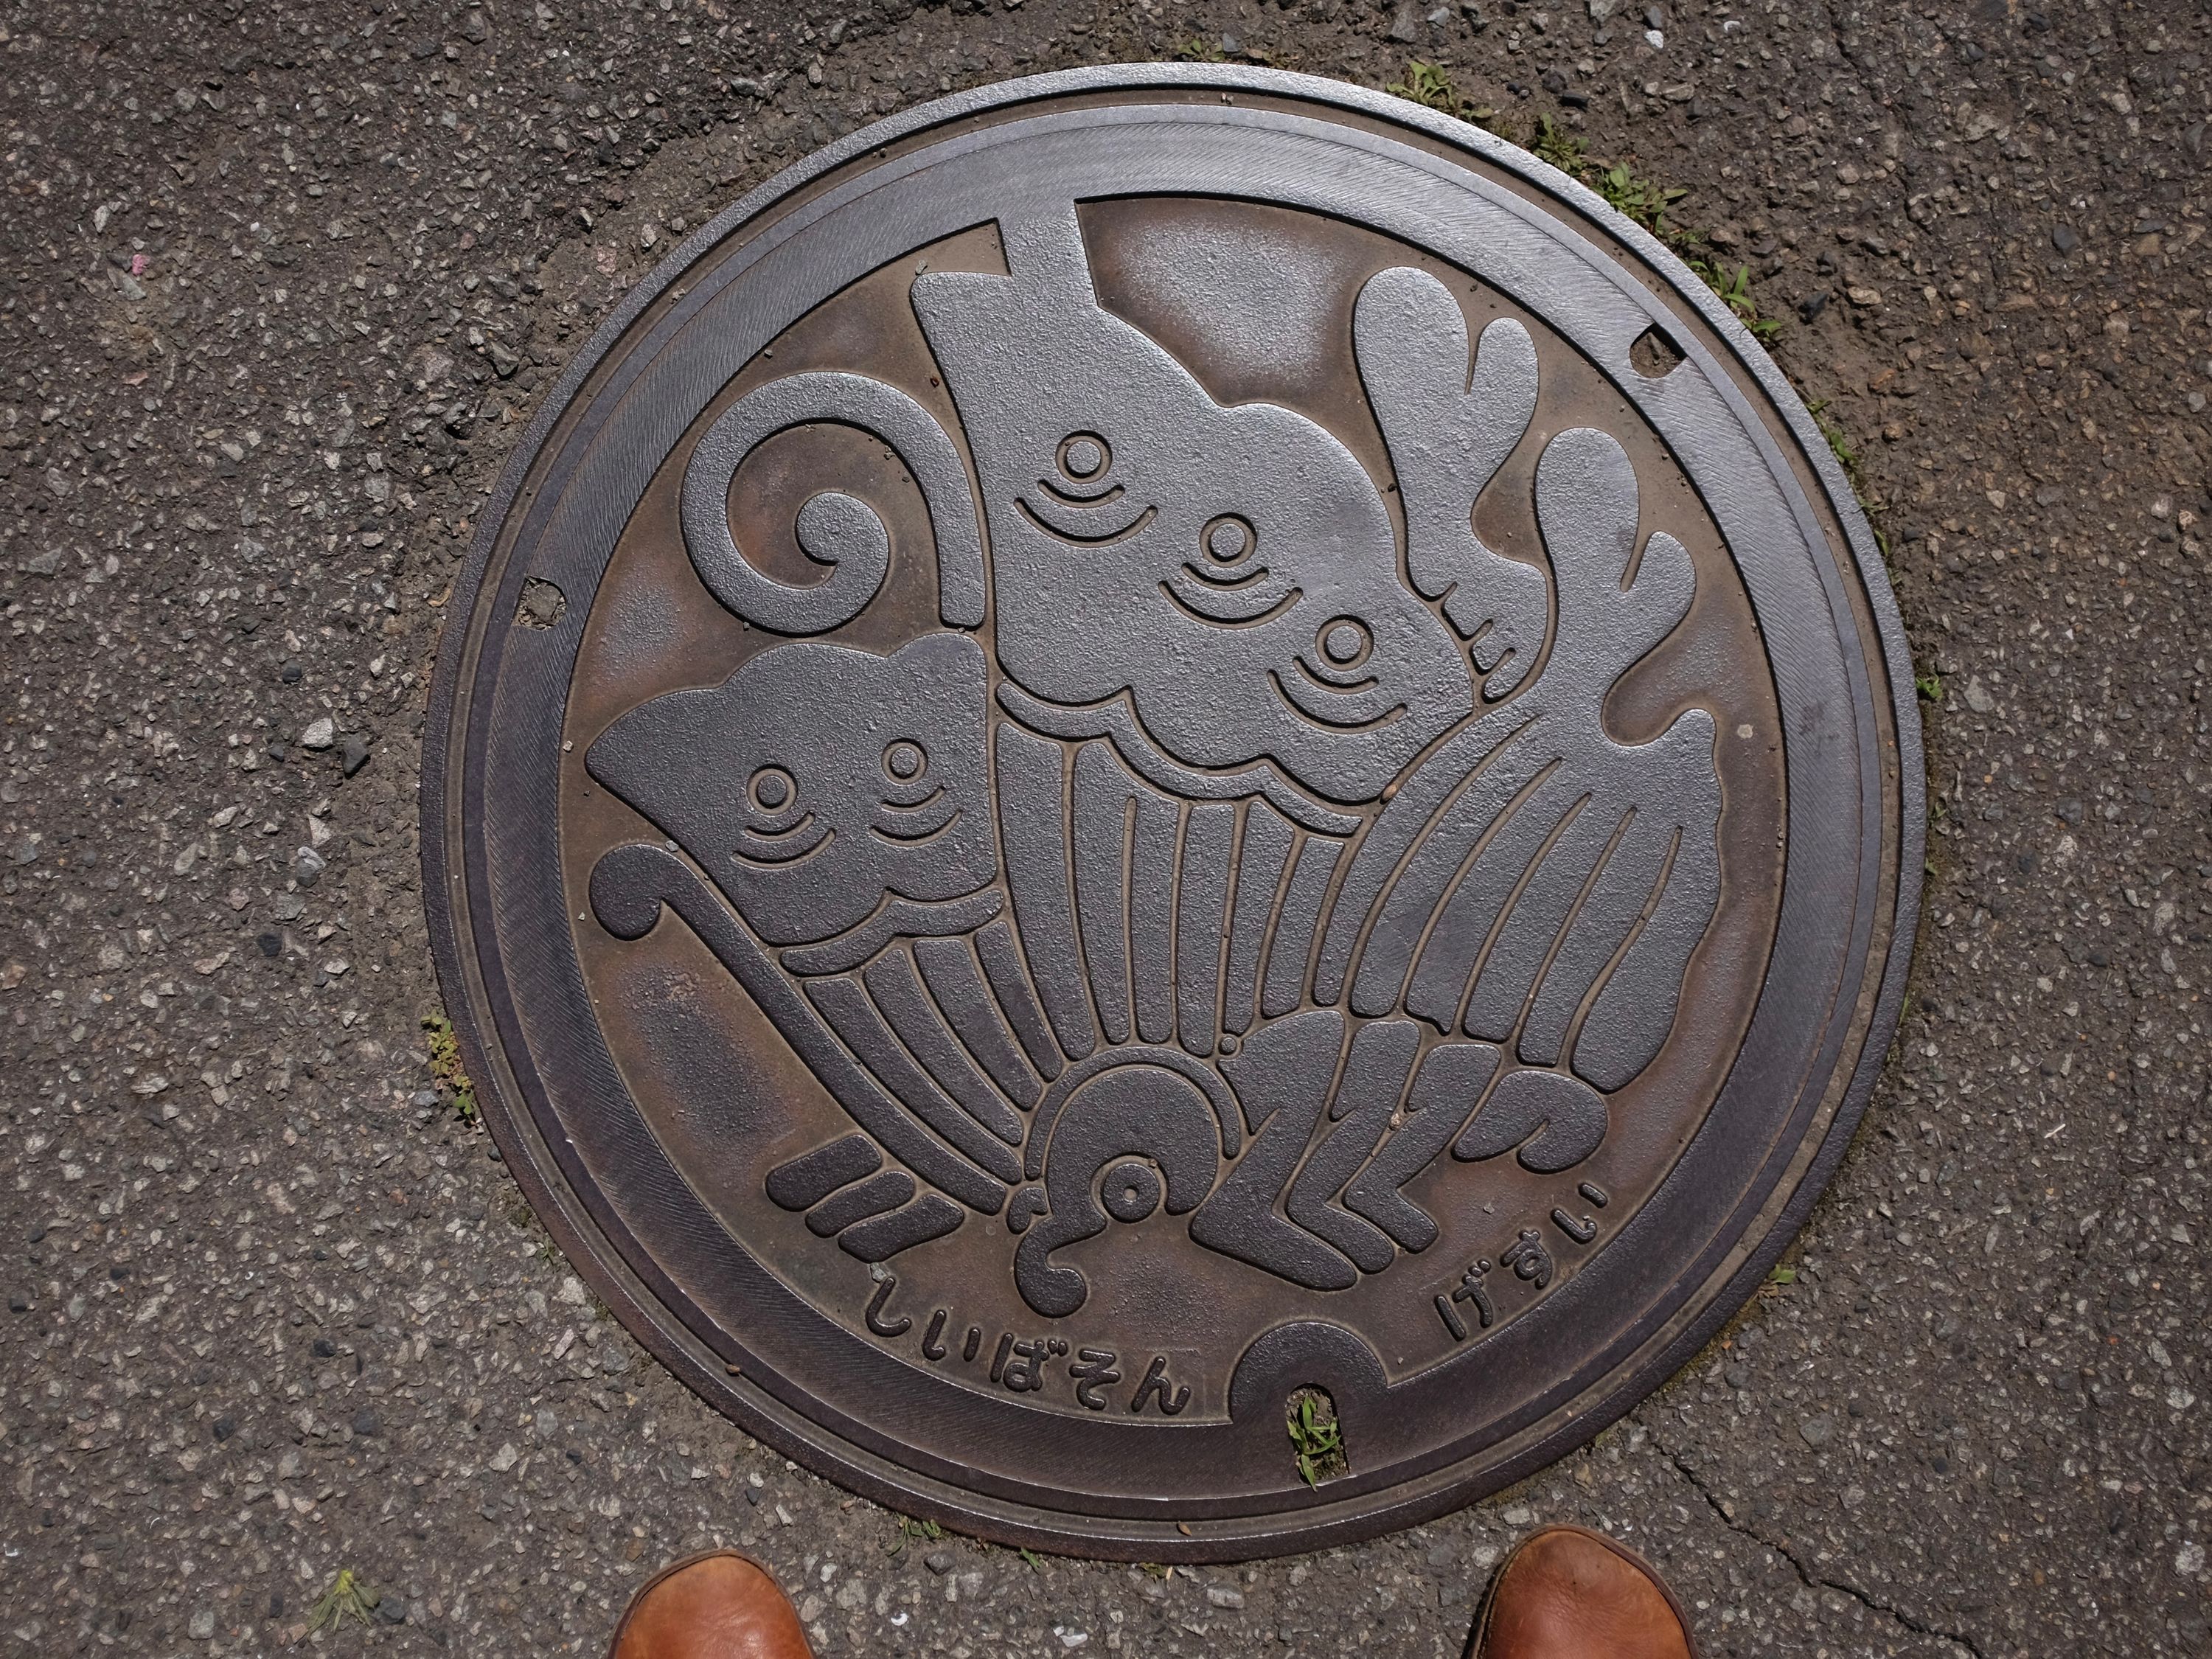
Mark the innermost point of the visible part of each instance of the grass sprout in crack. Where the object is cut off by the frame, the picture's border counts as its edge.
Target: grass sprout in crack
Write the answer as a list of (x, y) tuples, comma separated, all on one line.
[(1316, 1437)]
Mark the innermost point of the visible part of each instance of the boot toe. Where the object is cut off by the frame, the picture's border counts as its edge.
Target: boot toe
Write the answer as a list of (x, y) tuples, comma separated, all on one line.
[(1567, 1593), (722, 1606)]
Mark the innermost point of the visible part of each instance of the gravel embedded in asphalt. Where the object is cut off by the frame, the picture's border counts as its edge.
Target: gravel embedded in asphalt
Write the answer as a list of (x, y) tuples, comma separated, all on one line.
[(285, 281)]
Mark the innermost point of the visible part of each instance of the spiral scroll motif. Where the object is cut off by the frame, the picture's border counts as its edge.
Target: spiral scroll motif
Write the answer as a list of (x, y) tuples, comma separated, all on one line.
[(833, 529)]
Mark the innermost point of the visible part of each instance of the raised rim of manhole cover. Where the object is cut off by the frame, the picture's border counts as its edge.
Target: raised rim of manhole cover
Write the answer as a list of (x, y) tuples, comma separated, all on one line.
[(1173, 813)]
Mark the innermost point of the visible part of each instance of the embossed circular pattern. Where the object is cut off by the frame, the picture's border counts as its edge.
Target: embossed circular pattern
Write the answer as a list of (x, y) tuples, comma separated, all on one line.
[(1167, 780)]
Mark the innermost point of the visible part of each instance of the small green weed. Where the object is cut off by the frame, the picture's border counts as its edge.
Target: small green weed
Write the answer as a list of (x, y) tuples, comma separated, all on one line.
[(1035, 1561), (1196, 50), (1735, 290), (1428, 85), (1316, 1437), (1642, 200), (1554, 145), (346, 1598), (1847, 457), (1929, 686), (1839, 443), (445, 1068), (927, 1532)]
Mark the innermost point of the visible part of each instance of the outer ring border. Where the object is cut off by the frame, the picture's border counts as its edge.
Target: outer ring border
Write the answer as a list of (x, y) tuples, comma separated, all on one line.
[(876, 1477)]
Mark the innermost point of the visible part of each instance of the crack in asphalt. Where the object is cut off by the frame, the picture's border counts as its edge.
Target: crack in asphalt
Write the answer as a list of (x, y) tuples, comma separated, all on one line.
[(1811, 1579)]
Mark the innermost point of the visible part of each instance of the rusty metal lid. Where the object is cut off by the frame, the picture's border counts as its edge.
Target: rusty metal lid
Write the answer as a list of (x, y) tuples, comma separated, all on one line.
[(1174, 813)]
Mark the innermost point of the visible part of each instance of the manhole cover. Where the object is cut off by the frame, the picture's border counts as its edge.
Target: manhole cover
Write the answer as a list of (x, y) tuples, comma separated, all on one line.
[(1175, 814)]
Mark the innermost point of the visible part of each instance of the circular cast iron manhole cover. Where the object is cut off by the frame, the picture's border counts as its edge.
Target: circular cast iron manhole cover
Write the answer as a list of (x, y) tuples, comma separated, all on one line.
[(1198, 741)]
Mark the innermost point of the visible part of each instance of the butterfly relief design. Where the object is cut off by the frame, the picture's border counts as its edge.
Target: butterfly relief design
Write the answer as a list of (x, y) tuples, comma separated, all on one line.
[(1233, 848)]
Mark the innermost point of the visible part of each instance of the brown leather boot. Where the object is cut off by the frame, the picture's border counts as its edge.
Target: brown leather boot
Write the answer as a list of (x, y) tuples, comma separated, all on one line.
[(1565, 1592), (722, 1605)]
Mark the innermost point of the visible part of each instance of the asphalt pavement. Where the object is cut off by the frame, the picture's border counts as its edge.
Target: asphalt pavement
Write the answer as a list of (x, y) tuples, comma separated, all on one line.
[(279, 285)]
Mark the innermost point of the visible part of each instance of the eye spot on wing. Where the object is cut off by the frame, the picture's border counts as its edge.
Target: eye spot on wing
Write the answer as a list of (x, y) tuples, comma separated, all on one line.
[(1083, 456), (1345, 642), (1229, 541), (771, 789)]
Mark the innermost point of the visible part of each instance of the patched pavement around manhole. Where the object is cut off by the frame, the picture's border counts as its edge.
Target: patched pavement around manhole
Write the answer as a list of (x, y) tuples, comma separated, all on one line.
[(289, 285)]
